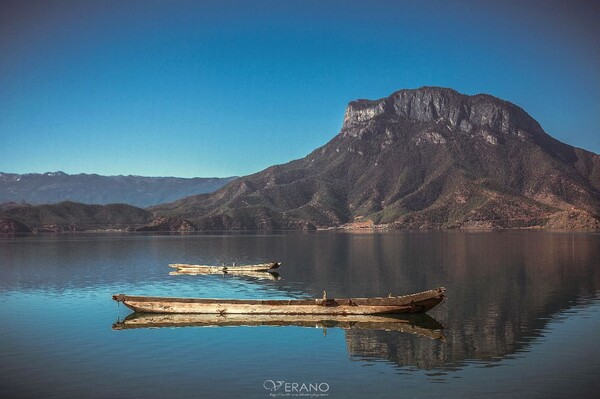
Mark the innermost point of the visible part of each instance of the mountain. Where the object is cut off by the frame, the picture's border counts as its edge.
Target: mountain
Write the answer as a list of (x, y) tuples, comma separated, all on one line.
[(70, 216), (424, 158), (54, 187)]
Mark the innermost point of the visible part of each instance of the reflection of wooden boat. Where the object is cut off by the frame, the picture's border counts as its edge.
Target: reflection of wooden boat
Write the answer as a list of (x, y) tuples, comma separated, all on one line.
[(420, 324), (414, 303), (254, 275), (262, 267)]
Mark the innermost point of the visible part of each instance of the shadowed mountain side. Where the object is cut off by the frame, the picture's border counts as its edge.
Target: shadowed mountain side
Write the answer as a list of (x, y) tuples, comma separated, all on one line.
[(424, 158), (73, 216), (8, 225)]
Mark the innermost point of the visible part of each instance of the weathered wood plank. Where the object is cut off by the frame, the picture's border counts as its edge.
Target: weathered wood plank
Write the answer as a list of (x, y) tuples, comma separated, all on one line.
[(252, 274), (415, 303), (224, 268)]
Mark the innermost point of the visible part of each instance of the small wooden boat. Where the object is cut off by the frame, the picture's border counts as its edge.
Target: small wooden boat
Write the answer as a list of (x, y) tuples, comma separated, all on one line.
[(251, 275), (422, 325), (261, 267), (414, 303)]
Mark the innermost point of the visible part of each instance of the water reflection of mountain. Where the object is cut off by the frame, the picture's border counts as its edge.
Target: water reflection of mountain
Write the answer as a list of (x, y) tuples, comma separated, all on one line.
[(400, 349), (450, 354), (503, 287)]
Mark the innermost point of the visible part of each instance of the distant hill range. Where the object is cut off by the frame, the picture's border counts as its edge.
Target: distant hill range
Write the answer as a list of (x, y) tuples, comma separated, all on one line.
[(54, 187), (418, 159), (424, 158), (70, 216)]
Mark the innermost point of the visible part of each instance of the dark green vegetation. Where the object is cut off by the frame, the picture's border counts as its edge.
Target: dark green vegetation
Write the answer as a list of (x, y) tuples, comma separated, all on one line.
[(49, 188), (425, 158), (73, 216)]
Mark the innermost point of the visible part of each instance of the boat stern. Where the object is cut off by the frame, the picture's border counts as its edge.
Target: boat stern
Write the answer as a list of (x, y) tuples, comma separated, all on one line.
[(119, 297)]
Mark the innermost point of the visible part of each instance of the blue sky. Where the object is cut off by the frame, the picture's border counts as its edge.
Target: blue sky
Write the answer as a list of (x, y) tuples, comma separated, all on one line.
[(203, 88)]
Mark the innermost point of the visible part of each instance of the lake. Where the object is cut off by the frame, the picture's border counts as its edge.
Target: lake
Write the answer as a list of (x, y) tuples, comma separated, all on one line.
[(521, 319)]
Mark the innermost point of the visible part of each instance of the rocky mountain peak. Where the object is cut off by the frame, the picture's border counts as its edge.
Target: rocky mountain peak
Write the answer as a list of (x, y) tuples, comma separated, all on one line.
[(417, 159), (460, 112)]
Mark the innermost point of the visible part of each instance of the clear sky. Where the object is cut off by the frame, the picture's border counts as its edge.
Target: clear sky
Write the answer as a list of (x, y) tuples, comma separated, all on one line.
[(220, 88)]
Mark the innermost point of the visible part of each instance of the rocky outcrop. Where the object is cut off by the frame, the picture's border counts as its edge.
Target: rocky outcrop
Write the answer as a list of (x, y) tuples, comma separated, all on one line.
[(168, 224), (468, 114), (573, 219)]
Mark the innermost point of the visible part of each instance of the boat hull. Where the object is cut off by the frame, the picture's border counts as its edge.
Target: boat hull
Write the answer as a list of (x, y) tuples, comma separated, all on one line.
[(251, 274), (414, 303), (263, 267)]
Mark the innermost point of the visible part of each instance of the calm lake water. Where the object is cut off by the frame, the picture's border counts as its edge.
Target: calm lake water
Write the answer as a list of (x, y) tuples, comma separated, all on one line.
[(522, 317)]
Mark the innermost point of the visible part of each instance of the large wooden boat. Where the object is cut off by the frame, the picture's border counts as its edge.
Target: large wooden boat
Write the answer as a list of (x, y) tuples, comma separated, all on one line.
[(261, 267), (414, 303), (422, 325)]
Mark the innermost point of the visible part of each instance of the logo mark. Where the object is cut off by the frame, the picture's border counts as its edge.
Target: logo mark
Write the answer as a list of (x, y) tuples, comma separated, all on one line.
[(272, 386)]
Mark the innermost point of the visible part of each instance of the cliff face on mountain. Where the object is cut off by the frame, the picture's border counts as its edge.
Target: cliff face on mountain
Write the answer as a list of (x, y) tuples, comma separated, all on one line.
[(424, 158)]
